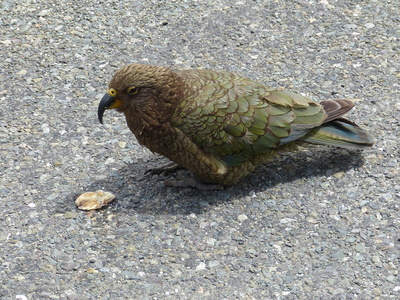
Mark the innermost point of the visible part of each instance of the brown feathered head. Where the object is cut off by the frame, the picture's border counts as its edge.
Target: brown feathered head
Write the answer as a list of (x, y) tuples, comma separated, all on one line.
[(137, 88)]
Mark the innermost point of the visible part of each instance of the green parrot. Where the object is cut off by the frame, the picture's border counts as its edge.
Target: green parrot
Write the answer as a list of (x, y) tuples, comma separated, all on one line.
[(219, 125)]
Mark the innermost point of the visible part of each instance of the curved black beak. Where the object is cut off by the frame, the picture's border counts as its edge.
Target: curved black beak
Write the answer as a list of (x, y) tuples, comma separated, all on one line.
[(105, 102)]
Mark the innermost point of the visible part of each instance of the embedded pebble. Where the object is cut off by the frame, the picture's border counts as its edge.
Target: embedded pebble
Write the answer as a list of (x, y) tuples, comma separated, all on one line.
[(201, 266), (369, 25), (242, 217)]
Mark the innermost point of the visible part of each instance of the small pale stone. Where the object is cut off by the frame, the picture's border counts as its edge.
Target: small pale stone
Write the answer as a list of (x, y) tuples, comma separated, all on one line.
[(44, 12), (242, 218), (338, 174), (214, 263), (376, 291), (92, 271), (312, 220), (19, 277), (109, 160), (369, 25), (94, 200), (201, 266), (211, 241), (390, 278), (377, 261), (70, 215), (176, 273)]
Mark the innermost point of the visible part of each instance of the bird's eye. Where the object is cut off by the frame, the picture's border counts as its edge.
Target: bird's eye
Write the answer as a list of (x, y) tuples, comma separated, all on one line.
[(112, 92), (132, 90)]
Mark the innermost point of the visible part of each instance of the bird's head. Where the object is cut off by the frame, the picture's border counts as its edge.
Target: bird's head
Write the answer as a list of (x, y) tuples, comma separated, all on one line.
[(139, 88)]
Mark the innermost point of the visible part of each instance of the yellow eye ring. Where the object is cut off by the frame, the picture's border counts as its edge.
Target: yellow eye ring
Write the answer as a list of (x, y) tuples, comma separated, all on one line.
[(132, 90), (112, 92)]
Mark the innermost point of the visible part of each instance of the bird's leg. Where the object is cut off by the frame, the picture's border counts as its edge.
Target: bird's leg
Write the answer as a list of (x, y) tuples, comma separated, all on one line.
[(165, 169), (193, 182)]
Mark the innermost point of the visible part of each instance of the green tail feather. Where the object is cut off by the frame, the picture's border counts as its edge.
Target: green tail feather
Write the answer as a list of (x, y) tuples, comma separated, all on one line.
[(340, 133)]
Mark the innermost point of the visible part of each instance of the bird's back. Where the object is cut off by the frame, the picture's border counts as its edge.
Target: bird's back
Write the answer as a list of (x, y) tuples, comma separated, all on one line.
[(235, 118)]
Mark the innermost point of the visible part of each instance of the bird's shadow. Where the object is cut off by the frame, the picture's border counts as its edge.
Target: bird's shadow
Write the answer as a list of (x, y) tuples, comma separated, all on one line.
[(147, 194)]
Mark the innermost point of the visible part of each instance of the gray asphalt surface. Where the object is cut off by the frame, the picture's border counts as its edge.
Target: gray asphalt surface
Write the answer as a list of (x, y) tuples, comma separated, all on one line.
[(319, 224)]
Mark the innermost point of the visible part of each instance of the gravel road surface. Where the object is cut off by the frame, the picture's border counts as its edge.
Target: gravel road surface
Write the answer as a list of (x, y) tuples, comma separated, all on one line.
[(319, 224)]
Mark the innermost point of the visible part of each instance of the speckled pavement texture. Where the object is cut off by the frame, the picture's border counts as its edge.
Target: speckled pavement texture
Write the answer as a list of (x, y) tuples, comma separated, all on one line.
[(319, 224)]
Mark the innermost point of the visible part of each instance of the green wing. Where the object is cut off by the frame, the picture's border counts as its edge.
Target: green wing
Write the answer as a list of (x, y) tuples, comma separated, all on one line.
[(234, 118)]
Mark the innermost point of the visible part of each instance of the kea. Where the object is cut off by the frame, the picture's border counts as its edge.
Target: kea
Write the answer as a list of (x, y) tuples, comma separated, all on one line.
[(219, 125)]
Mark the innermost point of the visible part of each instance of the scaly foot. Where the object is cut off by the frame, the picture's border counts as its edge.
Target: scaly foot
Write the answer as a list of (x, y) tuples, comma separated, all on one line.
[(164, 170)]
